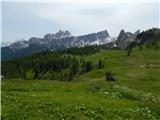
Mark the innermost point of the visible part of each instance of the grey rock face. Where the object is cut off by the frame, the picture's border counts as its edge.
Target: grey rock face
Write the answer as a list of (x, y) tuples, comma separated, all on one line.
[(122, 35), (123, 40), (62, 34), (59, 40), (137, 32), (59, 35), (65, 39), (19, 45), (5, 44)]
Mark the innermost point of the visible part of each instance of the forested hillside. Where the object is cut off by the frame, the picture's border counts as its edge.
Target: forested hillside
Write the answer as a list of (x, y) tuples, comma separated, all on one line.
[(56, 65)]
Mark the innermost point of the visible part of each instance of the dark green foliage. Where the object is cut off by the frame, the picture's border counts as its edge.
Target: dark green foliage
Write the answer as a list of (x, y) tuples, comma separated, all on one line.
[(155, 45), (89, 66), (100, 64), (83, 65), (74, 66), (129, 51), (70, 76), (87, 50), (47, 65), (39, 66), (140, 48), (109, 76)]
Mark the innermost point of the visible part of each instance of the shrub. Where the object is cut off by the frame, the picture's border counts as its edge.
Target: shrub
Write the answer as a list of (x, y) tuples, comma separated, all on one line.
[(129, 51), (109, 76)]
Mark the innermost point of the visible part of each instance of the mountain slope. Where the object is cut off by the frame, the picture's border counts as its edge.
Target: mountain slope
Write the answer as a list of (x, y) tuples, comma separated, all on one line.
[(150, 38), (58, 41), (123, 40)]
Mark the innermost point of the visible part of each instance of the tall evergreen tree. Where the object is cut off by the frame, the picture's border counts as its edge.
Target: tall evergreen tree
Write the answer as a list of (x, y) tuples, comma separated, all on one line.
[(89, 66), (100, 64)]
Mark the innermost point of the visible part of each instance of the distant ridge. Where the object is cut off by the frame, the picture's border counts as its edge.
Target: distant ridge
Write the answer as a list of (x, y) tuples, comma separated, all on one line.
[(58, 41), (64, 39)]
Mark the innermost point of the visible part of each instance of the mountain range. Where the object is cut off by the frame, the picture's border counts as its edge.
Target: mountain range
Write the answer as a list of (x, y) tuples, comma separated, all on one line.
[(63, 40)]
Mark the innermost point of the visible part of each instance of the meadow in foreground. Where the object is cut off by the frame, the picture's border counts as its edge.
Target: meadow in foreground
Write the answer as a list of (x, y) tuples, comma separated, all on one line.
[(134, 96)]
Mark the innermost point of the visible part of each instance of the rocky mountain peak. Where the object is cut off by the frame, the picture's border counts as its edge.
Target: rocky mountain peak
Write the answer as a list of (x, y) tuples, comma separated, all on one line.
[(137, 32), (19, 44), (124, 39), (49, 36), (57, 41), (122, 31), (68, 33), (62, 34), (58, 35), (103, 33), (122, 35)]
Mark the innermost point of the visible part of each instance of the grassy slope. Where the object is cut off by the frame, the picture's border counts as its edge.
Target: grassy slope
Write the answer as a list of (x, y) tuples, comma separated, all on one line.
[(90, 96), (140, 71)]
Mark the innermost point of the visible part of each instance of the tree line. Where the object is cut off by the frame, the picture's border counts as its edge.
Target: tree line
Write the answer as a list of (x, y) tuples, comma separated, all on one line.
[(82, 51), (48, 65)]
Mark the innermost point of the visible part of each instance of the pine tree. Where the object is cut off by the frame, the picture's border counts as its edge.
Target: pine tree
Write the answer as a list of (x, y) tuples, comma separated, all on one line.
[(88, 66), (100, 64), (129, 51), (70, 78)]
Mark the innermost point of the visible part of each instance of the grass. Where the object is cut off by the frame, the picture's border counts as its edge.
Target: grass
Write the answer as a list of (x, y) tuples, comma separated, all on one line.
[(140, 72), (134, 96)]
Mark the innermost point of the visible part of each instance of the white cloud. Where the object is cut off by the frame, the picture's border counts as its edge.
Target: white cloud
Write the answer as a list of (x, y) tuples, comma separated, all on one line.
[(80, 17), (92, 17)]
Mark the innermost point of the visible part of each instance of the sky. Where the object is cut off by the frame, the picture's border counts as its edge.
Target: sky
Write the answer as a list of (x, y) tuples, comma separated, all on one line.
[(22, 20)]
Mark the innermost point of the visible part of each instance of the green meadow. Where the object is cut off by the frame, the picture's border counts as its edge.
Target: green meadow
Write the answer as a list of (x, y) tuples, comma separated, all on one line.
[(135, 95)]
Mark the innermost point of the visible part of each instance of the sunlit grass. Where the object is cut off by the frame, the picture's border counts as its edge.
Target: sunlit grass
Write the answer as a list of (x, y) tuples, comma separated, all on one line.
[(134, 95)]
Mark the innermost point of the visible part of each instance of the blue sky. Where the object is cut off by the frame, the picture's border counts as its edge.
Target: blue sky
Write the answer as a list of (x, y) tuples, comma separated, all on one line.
[(22, 20)]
